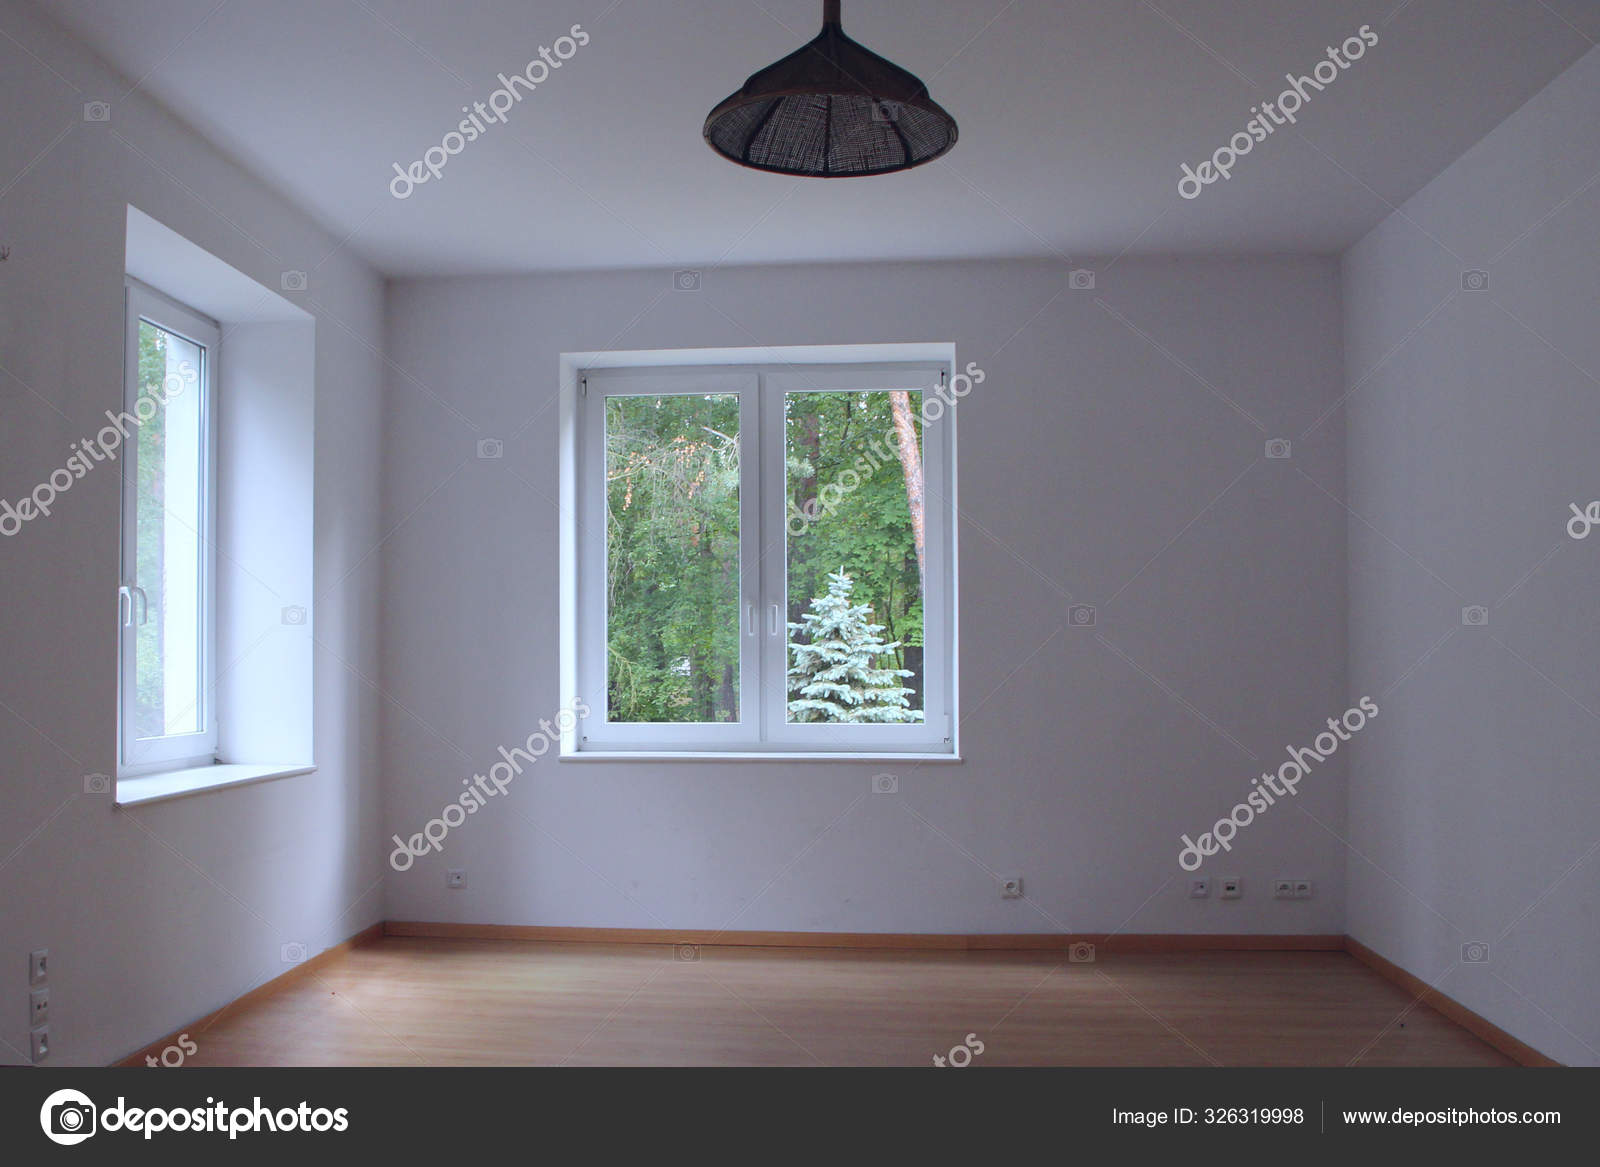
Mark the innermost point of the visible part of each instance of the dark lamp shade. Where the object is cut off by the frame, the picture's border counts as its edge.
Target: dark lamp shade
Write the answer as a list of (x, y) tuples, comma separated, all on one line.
[(833, 109)]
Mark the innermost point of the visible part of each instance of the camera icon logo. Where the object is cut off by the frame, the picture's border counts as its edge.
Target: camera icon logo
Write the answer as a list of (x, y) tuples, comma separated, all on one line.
[(687, 953), (294, 614), (886, 784), (887, 111), (687, 280), (96, 784), (1279, 448), (1081, 615), (293, 952), (1080, 279), (294, 281), (491, 448), (1081, 953), (1475, 616), (68, 1117), (97, 111), (1475, 952), (1474, 281)]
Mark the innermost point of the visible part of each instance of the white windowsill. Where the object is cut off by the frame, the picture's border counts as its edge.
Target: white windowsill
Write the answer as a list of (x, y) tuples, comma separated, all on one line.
[(144, 788), (756, 756)]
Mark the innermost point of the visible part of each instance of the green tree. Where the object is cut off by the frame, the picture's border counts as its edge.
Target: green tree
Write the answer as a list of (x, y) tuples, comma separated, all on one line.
[(674, 605), (845, 472), (836, 675), (672, 551), (149, 567)]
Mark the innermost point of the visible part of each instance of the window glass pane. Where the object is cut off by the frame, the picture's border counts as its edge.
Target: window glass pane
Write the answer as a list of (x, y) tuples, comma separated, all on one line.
[(856, 542), (672, 558), (169, 523)]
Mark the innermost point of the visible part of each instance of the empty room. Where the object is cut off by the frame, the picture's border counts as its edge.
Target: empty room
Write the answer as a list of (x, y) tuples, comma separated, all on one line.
[(746, 536)]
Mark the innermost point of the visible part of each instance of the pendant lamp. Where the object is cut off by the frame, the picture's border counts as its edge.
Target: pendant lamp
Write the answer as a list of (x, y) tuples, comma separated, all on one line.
[(832, 109)]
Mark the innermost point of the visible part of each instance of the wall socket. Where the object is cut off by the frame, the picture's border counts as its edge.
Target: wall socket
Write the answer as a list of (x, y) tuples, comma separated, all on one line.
[(38, 966), (1291, 889), (38, 1007), (40, 1040), (456, 877), (1011, 887), (1199, 889), (1232, 887)]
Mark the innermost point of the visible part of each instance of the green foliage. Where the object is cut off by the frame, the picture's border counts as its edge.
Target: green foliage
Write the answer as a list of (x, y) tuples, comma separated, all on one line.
[(866, 530), (836, 675), (672, 548), (150, 517), (672, 539)]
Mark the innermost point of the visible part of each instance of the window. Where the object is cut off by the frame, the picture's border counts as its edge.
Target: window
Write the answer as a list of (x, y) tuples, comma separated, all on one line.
[(764, 559), (166, 604)]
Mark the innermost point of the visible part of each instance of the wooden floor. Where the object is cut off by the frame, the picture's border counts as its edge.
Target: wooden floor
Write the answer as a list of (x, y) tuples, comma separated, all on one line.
[(403, 1001)]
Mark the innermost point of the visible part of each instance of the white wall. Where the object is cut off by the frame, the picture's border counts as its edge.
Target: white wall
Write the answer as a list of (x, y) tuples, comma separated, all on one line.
[(1091, 464), (265, 498), (155, 915), (1474, 810)]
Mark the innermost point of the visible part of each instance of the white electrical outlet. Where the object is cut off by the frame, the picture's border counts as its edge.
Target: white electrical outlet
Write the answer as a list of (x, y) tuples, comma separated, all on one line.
[(38, 966), (1302, 889), (1283, 889), (1232, 887), (1011, 887), (1199, 889), (38, 1007), (456, 877), (40, 1039)]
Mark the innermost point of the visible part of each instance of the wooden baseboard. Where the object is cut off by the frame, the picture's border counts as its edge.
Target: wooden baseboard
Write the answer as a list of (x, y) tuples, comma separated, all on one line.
[(1480, 1027), (1151, 942), (259, 993)]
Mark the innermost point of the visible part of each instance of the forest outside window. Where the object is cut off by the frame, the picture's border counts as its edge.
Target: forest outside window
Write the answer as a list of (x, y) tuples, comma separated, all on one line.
[(167, 600), (765, 560)]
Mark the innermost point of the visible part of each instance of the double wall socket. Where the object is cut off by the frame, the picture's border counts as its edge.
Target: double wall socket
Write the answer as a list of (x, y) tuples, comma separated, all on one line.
[(1291, 889)]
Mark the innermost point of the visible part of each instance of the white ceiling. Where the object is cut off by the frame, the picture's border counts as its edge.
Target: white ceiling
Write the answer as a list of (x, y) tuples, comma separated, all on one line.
[(1074, 115)]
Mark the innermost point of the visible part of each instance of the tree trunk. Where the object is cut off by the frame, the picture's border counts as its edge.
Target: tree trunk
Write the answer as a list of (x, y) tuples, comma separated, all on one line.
[(730, 695), (911, 463), (810, 442)]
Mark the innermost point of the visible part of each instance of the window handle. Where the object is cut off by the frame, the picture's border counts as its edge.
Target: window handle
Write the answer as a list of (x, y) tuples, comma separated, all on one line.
[(773, 612), (750, 619), (144, 605), (125, 615)]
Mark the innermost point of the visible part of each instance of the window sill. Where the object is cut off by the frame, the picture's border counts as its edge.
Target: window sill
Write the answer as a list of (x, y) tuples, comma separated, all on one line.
[(143, 788), (755, 756)]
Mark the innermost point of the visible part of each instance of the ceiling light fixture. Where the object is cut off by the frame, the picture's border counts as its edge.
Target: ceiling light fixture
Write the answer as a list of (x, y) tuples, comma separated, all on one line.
[(832, 109)]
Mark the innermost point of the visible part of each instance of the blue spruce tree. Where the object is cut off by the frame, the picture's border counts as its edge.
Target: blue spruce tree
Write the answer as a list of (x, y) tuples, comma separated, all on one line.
[(836, 675)]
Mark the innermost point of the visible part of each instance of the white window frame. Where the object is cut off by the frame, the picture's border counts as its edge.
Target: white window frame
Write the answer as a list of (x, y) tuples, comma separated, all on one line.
[(173, 751), (763, 728)]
